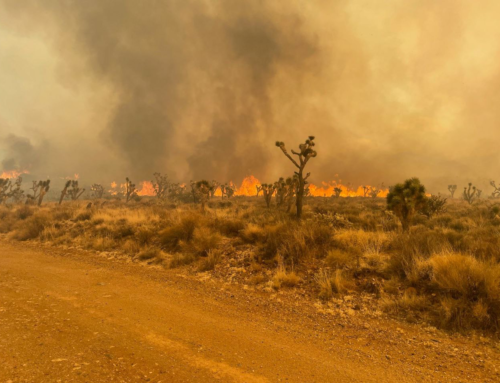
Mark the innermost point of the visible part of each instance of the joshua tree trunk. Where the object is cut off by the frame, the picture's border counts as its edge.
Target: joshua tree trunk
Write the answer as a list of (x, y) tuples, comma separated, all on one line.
[(306, 152)]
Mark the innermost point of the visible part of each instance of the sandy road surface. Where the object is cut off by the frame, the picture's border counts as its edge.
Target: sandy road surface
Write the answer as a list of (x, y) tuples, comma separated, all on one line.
[(67, 316)]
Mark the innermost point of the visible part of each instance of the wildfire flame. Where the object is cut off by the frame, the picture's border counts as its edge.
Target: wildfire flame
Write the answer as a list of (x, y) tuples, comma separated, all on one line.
[(147, 189), (13, 173), (248, 186)]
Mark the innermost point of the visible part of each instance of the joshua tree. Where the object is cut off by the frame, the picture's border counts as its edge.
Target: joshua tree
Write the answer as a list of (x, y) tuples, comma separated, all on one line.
[(406, 200), (452, 189), (176, 190), (5, 188), (337, 192), (290, 191), (97, 191), (202, 191), (214, 185), (16, 192), (366, 190), (72, 190), (268, 191), (305, 153), (496, 192), (471, 194), (40, 188), (130, 190), (160, 185), (280, 187), (259, 189), (435, 205), (227, 190)]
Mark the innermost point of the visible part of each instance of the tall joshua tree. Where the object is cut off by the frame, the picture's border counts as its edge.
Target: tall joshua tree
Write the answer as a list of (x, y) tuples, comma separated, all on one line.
[(406, 200), (40, 188), (305, 153), (337, 192), (130, 190), (202, 191), (471, 194), (452, 189)]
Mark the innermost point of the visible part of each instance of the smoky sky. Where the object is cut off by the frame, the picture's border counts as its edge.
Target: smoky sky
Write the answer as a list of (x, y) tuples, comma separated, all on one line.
[(202, 89)]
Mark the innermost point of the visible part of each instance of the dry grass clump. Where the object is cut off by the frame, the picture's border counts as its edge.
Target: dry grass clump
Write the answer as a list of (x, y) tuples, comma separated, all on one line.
[(470, 290), (329, 284), (171, 237), (32, 227), (204, 241), (210, 261), (282, 278), (151, 256)]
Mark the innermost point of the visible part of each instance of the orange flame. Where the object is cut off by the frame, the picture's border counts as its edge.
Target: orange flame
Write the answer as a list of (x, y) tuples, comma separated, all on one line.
[(248, 186), (147, 189), (13, 173), (327, 190)]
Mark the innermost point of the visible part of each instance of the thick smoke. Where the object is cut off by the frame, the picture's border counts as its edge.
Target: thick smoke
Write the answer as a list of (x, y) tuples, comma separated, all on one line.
[(202, 89)]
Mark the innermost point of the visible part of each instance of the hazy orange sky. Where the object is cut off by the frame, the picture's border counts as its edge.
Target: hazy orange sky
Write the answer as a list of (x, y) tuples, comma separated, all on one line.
[(203, 89)]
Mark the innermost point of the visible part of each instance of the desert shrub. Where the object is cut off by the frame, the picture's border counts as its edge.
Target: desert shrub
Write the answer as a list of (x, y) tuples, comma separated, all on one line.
[(470, 289), (131, 247), (209, 263), (253, 233), (204, 241), (182, 231), (178, 260), (229, 227), (282, 278), (296, 242), (339, 259), (85, 216), (329, 284), (144, 235), (151, 255), (24, 211), (32, 227), (103, 244)]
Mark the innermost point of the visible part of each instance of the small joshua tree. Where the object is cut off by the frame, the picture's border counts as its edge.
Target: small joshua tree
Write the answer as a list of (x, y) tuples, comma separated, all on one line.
[(227, 190), (366, 190), (258, 188), (305, 153), (176, 190), (202, 191), (130, 190), (291, 190), (435, 205), (214, 185), (268, 191), (471, 194), (406, 200), (496, 192), (452, 189), (161, 185), (71, 190), (5, 188), (16, 192), (337, 192), (97, 191), (280, 187), (40, 188)]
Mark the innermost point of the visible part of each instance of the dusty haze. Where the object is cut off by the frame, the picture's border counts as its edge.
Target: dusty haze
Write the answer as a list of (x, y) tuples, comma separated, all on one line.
[(202, 89)]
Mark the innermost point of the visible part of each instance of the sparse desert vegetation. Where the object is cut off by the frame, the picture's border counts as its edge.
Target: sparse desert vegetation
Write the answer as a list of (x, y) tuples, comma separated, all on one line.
[(440, 268)]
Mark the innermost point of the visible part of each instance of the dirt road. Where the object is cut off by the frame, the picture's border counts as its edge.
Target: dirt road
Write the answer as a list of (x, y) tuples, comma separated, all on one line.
[(67, 316)]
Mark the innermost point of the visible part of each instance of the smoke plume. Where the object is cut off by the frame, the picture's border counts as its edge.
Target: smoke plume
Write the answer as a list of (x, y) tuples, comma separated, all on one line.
[(203, 89)]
